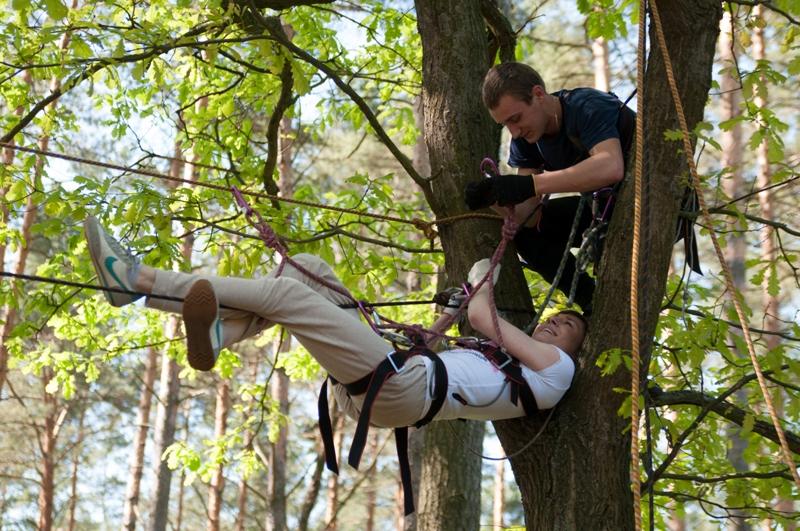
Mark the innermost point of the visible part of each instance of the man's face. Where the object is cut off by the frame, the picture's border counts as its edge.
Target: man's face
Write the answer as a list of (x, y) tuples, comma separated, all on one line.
[(523, 120), (564, 330)]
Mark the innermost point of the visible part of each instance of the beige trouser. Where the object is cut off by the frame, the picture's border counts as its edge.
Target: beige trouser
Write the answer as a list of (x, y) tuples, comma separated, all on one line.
[(344, 345)]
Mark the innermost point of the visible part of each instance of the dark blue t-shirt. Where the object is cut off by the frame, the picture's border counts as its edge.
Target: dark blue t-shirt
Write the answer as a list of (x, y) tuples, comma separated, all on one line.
[(589, 116)]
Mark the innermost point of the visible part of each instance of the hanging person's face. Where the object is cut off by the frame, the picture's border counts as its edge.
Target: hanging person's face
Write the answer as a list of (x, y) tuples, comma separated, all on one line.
[(523, 120), (564, 330)]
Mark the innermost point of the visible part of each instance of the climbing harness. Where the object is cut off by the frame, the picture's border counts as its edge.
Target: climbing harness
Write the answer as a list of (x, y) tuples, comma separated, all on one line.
[(369, 386)]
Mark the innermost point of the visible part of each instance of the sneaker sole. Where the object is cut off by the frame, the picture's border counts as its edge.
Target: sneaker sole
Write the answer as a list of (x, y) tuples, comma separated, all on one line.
[(92, 234), (199, 313)]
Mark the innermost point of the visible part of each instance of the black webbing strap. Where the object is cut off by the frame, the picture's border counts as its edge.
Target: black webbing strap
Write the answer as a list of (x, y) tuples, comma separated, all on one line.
[(401, 443), (326, 429), (510, 367), (371, 384)]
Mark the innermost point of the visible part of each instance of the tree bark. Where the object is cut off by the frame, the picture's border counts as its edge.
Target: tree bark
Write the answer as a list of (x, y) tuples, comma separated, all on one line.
[(499, 498), (458, 134), (769, 251), (732, 184), (371, 486), (169, 389), (218, 480), (583, 457), (136, 466), (47, 445), (73, 483), (276, 516)]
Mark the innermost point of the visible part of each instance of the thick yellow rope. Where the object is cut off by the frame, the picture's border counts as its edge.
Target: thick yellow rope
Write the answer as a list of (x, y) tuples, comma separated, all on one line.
[(636, 484), (687, 148)]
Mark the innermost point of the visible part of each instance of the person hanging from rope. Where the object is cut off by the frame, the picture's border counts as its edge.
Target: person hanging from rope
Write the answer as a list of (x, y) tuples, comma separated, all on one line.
[(569, 141), (412, 389), (220, 311)]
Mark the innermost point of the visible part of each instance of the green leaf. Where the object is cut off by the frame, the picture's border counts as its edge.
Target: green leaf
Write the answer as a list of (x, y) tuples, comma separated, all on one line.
[(20, 5), (56, 9), (773, 285), (747, 424)]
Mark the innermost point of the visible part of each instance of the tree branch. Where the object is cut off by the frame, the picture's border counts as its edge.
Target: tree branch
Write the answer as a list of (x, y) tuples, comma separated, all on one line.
[(768, 5), (698, 313), (504, 39), (74, 81), (272, 25), (724, 409), (727, 477)]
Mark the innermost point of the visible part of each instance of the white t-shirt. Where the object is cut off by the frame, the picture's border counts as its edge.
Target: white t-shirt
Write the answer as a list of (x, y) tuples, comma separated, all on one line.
[(476, 389)]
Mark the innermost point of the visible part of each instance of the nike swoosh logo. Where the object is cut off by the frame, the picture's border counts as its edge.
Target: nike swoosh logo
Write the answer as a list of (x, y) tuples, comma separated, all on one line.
[(109, 263), (218, 331)]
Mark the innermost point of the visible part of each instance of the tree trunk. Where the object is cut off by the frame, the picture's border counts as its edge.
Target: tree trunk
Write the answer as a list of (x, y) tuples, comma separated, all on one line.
[(769, 251), (602, 73), (458, 133), (169, 388), (47, 445), (136, 466), (332, 491), (218, 479), (73, 483), (499, 501), (372, 487), (732, 185), (241, 516), (583, 457), (276, 516)]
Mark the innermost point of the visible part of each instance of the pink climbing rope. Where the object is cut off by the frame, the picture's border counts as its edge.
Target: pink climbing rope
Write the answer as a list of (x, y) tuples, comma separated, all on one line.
[(271, 239)]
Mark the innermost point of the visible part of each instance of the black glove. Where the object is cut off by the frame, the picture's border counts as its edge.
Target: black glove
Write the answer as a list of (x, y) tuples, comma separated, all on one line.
[(505, 190), (480, 194), (512, 189)]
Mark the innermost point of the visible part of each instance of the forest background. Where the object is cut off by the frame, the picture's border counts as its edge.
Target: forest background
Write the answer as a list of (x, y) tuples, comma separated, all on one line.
[(106, 426)]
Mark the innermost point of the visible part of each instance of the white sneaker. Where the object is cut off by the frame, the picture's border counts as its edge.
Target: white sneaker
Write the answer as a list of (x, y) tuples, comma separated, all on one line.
[(203, 326), (114, 265)]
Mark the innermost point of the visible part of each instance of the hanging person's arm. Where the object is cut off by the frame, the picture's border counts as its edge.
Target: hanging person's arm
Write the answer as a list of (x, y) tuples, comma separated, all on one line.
[(534, 354)]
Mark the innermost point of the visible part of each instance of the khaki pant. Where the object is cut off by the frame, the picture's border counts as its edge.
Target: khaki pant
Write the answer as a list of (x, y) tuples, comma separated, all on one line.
[(344, 345)]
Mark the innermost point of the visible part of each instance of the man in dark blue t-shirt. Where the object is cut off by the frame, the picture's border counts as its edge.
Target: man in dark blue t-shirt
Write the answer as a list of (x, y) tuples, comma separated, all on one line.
[(569, 141)]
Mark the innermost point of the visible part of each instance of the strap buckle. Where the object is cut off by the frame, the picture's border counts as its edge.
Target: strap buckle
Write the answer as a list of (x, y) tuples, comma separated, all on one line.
[(497, 363), (397, 369)]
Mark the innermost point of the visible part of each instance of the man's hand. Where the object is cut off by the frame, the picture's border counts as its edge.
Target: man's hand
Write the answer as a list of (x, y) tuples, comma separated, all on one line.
[(505, 190), (480, 194), (512, 189), (479, 270)]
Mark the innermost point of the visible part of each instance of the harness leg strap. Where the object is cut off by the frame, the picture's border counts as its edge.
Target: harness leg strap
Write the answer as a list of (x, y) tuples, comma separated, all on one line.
[(326, 429), (401, 442)]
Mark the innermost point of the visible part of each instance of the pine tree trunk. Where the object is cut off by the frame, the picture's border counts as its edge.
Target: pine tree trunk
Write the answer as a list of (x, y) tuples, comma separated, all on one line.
[(314, 485), (218, 480), (241, 516), (47, 445), (136, 466), (73, 483), (371, 487), (732, 185), (602, 72), (164, 433), (276, 516), (769, 251), (332, 490), (499, 501), (169, 386)]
